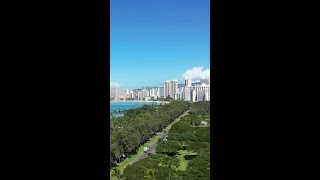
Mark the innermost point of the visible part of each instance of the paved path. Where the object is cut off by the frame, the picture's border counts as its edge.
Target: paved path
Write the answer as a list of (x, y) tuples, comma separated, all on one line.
[(178, 119), (152, 148)]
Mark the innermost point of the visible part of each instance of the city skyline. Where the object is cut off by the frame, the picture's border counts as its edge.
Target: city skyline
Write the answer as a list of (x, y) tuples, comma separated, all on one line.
[(198, 91), (162, 84), (159, 39), (195, 75)]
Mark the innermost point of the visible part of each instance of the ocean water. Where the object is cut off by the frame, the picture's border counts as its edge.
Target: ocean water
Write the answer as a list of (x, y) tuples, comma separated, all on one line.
[(121, 105)]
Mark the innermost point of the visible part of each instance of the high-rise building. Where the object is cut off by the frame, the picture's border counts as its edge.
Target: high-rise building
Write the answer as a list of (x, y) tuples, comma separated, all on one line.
[(206, 97), (131, 94), (166, 88), (193, 95), (178, 96), (142, 94), (170, 88), (200, 91), (200, 95), (122, 93), (187, 83), (157, 92), (187, 94), (152, 92), (161, 91), (135, 93)]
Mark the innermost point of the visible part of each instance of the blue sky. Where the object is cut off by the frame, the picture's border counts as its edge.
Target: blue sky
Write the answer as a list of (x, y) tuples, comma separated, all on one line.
[(156, 40)]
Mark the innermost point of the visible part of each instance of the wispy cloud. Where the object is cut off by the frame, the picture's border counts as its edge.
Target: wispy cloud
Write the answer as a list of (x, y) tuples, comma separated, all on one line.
[(196, 73), (114, 84)]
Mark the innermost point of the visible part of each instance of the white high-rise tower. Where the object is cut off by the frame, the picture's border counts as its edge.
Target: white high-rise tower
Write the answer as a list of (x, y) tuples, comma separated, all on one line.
[(170, 88), (187, 83)]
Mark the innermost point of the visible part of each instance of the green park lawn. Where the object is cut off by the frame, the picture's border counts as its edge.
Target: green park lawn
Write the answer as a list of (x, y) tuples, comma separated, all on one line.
[(132, 158), (183, 161), (151, 141)]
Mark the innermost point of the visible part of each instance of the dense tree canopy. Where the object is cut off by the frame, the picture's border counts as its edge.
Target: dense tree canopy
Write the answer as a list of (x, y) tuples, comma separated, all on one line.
[(200, 108), (168, 147), (129, 132), (186, 136), (155, 167), (192, 119), (183, 131)]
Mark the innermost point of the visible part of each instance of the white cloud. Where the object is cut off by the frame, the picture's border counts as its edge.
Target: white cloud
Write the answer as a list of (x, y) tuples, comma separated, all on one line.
[(114, 84), (196, 73)]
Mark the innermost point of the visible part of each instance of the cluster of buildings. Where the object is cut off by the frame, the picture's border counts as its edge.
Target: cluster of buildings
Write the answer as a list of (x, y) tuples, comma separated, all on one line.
[(197, 91)]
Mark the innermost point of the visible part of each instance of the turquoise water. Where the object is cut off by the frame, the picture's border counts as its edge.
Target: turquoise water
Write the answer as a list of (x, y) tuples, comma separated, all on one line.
[(121, 105)]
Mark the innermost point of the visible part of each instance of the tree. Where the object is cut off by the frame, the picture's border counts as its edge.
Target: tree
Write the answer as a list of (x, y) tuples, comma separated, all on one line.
[(199, 167), (117, 174), (186, 136), (169, 98), (166, 161), (199, 147), (150, 173), (139, 169), (168, 147), (129, 132), (172, 162)]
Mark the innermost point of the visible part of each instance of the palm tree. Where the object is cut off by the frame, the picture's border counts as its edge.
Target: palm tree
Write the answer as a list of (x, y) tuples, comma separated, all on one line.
[(170, 162), (117, 174), (150, 173)]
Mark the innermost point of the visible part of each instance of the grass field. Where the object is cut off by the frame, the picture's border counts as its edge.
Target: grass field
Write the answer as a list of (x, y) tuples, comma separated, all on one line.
[(131, 159), (184, 162), (151, 141)]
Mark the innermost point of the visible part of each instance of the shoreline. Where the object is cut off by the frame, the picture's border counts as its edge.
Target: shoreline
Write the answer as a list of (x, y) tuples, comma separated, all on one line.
[(143, 101)]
